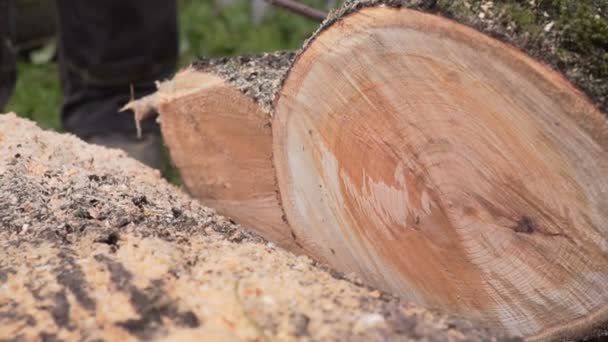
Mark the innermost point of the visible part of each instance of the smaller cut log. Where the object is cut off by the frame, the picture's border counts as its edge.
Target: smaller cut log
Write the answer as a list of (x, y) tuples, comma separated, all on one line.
[(215, 118)]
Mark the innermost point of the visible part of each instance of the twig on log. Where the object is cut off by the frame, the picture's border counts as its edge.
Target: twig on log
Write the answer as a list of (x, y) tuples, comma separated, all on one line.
[(299, 8)]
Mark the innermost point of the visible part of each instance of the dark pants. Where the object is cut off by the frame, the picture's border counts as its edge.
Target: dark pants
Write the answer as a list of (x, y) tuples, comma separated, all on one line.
[(105, 47), (7, 56)]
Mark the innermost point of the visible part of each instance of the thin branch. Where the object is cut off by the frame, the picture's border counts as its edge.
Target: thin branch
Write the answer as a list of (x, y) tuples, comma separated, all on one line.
[(299, 8)]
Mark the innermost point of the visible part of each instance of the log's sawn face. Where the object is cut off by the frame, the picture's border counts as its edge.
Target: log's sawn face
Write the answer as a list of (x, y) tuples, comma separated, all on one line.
[(221, 142), (448, 168)]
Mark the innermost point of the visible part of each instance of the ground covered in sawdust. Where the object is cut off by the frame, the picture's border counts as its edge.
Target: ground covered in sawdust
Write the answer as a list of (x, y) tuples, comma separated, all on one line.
[(95, 246)]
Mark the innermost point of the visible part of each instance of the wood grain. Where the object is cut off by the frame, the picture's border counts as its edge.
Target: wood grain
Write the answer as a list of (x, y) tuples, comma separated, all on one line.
[(449, 168)]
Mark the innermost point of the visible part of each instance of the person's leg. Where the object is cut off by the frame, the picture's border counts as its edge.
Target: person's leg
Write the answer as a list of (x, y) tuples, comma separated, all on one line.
[(7, 54), (105, 47)]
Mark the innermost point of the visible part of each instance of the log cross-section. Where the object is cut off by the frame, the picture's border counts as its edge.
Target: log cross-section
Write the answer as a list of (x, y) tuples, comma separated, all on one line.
[(220, 140), (449, 168)]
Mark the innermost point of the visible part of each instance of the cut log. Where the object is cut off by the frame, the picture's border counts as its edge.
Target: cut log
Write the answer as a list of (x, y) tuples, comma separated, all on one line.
[(220, 137), (432, 160), (449, 168)]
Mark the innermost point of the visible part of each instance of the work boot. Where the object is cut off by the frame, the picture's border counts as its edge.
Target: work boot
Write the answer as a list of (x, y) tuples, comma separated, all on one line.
[(147, 149), (93, 115)]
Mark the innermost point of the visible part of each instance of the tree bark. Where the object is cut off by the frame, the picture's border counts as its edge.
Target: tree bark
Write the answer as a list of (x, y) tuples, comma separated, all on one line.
[(436, 162)]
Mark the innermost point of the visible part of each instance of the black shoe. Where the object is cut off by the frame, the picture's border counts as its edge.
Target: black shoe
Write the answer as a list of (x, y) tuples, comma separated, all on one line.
[(147, 150), (7, 52)]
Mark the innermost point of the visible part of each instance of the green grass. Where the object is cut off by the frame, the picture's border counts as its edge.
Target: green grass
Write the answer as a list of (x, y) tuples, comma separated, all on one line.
[(37, 94), (209, 32)]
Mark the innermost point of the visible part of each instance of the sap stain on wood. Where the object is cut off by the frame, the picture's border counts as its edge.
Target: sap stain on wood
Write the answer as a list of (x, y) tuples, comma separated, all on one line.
[(525, 225)]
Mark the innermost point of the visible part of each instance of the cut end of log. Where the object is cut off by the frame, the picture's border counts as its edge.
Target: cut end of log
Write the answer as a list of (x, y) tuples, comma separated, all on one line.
[(220, 140), (449, 168)]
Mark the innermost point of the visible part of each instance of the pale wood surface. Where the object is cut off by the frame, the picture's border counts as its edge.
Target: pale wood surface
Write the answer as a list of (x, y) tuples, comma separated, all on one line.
[(221, 142), (448, 168)]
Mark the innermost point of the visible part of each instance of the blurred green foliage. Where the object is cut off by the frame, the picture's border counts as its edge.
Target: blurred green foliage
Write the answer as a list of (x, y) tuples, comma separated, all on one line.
[(208, 31), (37, 94)]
